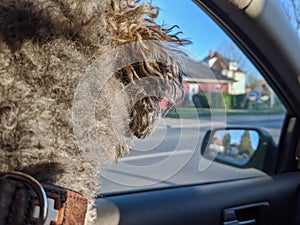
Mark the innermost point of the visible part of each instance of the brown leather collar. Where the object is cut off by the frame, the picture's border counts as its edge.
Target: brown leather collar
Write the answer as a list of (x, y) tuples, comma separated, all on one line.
[(24, 201)]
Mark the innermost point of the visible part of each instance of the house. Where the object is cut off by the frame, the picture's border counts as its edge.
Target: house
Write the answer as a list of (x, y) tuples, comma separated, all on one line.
[(199, 78), (230, 69), (215, 74), (215, 61)]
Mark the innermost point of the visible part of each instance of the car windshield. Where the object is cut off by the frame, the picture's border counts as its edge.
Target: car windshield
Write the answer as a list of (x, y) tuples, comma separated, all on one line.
[(222, 88)]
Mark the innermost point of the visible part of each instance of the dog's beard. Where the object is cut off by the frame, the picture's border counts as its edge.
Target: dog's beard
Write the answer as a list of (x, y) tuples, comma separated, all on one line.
[(146, 84), (144, 115)]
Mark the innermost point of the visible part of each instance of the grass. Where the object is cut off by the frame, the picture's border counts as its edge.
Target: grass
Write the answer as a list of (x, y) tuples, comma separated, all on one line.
[(194, 113)]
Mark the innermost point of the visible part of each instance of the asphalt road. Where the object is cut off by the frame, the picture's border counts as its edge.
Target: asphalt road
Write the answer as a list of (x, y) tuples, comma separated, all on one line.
[(171, 155)]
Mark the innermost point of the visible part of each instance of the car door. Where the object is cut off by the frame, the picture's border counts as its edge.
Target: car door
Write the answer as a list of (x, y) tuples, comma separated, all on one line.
[(219, 192)]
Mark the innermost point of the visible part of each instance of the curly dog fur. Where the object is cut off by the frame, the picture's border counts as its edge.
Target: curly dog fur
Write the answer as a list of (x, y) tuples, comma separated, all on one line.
[(45, 47)]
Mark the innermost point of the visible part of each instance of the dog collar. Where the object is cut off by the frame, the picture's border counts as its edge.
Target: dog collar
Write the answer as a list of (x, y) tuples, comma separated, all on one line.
[(24, 201)]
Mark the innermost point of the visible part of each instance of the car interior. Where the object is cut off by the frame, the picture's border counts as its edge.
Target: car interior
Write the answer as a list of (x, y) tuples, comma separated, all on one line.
[(270, 193)]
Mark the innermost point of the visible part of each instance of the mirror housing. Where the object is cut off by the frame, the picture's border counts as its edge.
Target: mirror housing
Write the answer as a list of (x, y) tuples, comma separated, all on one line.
[(241, 147)]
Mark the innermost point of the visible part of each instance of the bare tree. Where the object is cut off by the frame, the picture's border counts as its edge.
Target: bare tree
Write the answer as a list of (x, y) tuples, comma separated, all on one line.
[(230, 51), (227, 141), (292, 10), (245, 146)]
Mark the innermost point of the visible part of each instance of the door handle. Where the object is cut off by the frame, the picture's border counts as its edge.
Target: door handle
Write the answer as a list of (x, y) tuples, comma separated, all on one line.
[(231, 215), (230, 218), (236, 222), (247, 222)]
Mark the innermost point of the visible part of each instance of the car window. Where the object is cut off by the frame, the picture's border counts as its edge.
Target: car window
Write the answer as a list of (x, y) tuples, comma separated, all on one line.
[(222, 88)]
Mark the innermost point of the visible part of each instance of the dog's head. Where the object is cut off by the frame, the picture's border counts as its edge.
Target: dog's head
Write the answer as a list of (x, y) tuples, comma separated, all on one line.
[(46, 50)]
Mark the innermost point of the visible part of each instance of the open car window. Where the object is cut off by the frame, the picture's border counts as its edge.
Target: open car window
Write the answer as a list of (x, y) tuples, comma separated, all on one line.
[(221, 88)]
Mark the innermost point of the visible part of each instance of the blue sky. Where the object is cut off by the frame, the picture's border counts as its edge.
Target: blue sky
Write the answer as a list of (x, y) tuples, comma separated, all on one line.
[(201, 30), (194, 23), (198, 27)]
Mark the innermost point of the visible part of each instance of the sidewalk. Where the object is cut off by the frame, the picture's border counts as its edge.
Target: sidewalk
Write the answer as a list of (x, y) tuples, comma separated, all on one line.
[(255, 118), (202, 113), (219, 120)]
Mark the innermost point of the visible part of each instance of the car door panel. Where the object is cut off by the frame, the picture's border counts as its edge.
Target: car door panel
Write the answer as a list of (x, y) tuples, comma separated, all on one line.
[(205, 204)]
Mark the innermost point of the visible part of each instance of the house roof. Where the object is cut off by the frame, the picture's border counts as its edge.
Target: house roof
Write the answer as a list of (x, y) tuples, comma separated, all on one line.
[(221, 62), (199, 72)]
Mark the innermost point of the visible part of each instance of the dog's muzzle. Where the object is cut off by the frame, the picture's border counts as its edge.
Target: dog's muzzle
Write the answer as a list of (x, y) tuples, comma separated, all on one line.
[(24, 201)]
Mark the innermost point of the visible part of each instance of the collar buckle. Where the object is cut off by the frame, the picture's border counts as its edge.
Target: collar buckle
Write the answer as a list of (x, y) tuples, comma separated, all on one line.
[(37, 187)]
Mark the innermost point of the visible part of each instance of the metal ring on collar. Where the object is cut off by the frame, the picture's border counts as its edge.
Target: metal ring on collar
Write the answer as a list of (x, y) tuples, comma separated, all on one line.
[(37, 187)]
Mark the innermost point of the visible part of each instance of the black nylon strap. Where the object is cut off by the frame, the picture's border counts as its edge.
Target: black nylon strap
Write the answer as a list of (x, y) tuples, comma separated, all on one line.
[(6, 195), (19, 201), (16, 203)]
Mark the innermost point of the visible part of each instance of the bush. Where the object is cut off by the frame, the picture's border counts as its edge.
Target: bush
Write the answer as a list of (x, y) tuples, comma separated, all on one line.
[(239, 101), (216, 100), (200, 100), (227, 100), (219, 100)]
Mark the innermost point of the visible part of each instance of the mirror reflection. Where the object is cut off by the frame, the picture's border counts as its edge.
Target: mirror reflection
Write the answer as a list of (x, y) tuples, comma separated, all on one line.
[(235, 146)]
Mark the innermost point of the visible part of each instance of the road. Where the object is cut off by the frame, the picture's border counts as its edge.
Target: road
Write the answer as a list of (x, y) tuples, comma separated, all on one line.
[(171, 155)]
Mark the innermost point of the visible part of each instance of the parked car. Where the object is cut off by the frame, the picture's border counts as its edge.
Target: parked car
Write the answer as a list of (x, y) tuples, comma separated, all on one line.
[(255, 100)]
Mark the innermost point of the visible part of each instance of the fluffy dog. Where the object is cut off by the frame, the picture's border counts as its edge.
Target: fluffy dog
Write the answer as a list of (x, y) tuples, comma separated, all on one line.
[(45, 48)]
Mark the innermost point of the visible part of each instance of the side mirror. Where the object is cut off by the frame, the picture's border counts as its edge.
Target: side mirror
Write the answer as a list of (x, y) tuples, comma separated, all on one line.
[(239, 147)]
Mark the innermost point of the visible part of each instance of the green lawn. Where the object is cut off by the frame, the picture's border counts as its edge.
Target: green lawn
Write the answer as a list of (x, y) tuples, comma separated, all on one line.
[(194, 113)]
